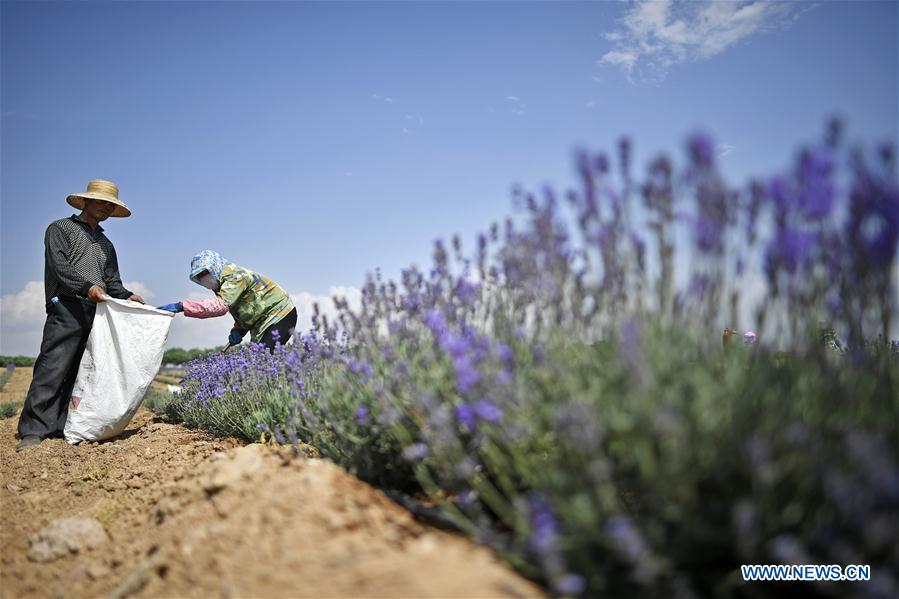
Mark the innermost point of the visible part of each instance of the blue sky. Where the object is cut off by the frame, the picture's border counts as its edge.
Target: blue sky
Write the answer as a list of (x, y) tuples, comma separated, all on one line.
[(317, 141)]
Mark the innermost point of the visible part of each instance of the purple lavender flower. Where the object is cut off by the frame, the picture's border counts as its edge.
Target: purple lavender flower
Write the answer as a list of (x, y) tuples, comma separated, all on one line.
[(544, 535), (756, 198), (789, 250), (440, 259), (466, 291), (787, 549), (873, 224), (569, 584), (601, 163), (466, 415), (816, 191), (467, 376), (640, 250), (279, 437), (362, 415), (435, 321), (454, 345), (709, 234), (702, 150), (487, 411), (505, 354), (699, 285), (415, 452), (467, 497), (758, 450), (779, 194), (744, 516), (411, 303), (626, 538)]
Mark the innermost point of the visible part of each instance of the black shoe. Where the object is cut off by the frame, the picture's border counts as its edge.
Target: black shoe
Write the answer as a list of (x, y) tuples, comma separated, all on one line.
[(28, 441)]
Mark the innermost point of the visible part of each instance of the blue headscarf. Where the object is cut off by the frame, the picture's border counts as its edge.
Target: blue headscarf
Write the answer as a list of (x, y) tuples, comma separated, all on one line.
[(207, 260)]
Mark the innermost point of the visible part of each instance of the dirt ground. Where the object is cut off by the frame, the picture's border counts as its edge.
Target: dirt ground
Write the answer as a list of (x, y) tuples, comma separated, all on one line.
[(191, 516)]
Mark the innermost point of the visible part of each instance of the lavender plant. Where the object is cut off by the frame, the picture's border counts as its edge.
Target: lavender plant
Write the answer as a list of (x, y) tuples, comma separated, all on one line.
[(561, 391)]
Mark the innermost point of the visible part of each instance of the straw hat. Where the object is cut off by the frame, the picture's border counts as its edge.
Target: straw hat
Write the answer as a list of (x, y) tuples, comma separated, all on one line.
[(100, 189)]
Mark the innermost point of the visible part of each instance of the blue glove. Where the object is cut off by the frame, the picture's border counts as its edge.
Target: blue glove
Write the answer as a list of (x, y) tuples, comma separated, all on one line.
[(177, 307), (236, 336)]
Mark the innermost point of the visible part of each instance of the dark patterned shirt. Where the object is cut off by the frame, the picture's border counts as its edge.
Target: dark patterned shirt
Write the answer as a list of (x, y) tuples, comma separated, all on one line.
[(77, 257)]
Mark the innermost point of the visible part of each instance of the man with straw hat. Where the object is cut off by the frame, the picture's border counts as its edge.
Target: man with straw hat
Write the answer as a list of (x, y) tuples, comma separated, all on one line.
[(80, 269)]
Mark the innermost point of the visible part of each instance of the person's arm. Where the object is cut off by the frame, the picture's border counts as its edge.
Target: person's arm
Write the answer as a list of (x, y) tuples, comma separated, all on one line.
[(208, 308), (232, 288), (56, 246), (113, 279)]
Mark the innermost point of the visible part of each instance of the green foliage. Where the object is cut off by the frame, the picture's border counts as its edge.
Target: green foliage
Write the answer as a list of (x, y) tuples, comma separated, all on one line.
[(157, 401), (17, 361), (8, 410), (233, 414), (177, 355)]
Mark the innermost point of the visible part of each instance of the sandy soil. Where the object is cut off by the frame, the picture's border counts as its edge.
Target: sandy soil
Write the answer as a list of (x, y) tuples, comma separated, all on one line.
[(191, 516)]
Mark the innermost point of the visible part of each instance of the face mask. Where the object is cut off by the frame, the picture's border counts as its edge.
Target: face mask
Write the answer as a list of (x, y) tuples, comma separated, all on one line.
[(209, 282)]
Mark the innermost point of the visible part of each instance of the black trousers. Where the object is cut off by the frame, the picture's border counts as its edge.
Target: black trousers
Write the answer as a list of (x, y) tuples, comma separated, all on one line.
[(285, 328), (66, 331)]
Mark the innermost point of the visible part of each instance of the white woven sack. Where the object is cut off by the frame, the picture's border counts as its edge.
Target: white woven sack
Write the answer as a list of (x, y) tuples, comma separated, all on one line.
[(123, 355)]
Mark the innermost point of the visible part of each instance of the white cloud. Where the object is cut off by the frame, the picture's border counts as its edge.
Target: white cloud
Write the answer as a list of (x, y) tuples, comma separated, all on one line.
[(724, 149), (385, 99), (140, 289), (623, 58), (656, 35), (305, 301), (414, 122), (25, 307), (516, 105)]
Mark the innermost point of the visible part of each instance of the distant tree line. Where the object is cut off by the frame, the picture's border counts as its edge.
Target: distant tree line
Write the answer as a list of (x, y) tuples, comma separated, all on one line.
[(177, 355), (16, 360)]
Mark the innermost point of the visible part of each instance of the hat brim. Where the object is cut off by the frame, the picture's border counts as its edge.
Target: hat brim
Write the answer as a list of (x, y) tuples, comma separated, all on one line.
[(76, 200)]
